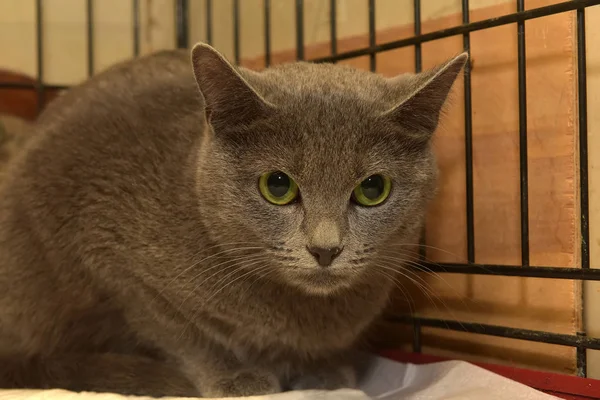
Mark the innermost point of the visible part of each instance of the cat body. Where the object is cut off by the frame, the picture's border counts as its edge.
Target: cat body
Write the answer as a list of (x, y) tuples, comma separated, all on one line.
[(137, 255), (14, 133)]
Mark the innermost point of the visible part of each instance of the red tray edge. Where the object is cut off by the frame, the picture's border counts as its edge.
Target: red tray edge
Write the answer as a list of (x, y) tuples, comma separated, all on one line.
[(564, 386)]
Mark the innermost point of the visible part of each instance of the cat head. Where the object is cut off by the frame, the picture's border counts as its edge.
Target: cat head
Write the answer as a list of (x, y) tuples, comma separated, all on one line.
[(321, 167)]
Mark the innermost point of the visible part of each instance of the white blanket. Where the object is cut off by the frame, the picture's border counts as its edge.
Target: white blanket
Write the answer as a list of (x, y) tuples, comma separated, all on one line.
[(384, 380)]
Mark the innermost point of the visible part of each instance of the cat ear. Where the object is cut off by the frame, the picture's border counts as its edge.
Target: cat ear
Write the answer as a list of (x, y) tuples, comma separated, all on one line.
[(229, 100), (426, 93)]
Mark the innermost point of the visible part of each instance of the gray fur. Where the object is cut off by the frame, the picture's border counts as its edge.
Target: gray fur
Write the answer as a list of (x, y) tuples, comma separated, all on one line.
[(138, 256)]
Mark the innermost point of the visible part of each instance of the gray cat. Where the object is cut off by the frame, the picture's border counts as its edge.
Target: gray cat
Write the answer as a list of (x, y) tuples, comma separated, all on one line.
[(197, 229)]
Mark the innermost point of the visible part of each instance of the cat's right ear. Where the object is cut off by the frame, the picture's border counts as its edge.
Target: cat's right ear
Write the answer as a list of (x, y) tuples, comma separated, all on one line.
[(230, 101)]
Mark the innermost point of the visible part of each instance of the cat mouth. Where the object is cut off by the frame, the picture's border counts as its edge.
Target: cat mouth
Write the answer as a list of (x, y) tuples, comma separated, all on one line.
[(322, 280)]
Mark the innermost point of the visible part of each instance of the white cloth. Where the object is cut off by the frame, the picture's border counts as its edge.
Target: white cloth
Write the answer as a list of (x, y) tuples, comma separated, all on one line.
[(383, 380)]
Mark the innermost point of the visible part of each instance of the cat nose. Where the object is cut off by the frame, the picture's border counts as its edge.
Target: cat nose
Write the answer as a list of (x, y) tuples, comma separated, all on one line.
[(325, 256)]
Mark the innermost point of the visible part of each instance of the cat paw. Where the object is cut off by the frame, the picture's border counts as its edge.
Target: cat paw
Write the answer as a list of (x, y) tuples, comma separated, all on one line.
[(341, 378), (243, 383)]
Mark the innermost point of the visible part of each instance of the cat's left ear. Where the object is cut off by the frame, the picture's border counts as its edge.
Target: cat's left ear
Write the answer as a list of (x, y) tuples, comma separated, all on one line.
[(424, 96)]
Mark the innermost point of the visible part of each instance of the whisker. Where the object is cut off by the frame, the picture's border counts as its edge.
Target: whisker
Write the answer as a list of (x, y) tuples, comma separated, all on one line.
[(398, 284), (194, 312), (426, 246), (201, 261), (423, 287), (235, 259), (233, 281), (259, 276), (416, 264), (255, 261), (431, 299), (427, 290), (236, 262)]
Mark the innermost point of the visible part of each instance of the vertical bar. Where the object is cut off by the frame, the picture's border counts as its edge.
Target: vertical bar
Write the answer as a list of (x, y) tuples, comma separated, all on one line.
[(236, 31), (333, 26), (181, 22), (300, 29), (419, 68), (372, 55), (583, 167), (581, 359), (417, 18), (209, 29), (41, 98), (416, 345), (522, 70), (267, 4), (136, 27), (583, 138), (468, 140), (90, 36)]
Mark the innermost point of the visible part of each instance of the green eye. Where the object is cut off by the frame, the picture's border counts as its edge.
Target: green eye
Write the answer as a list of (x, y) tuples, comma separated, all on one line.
[(372, 191), (278, 188)]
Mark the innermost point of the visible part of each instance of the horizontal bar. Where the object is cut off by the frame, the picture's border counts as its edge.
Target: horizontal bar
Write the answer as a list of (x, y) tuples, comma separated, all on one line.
[(458, 30), (20, 85), (502, 331), (589, 274)]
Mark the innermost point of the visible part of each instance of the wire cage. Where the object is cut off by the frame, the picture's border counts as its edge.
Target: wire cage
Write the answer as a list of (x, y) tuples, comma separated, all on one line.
[(580, 341)]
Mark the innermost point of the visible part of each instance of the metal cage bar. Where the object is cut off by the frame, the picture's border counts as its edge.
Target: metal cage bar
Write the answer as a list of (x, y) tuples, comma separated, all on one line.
[(236, 31), (583, 168), (89, 9), (461, 29), (267, 31), (333, 26), (502, 331), (417, 22), (416, 345), (209, 27), (136, 27), (523, 164), (39, 12), (588, 274), (181, 22), (583, 138), (468, 141), (372, 33), (299, 29)]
